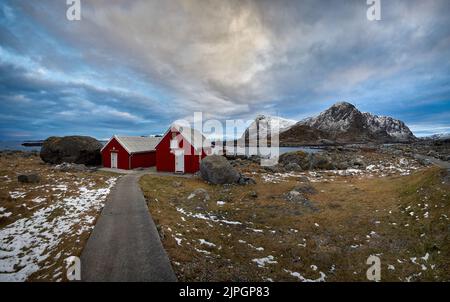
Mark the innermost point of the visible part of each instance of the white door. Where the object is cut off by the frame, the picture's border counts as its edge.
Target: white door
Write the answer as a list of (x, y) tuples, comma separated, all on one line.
[(113, 160), (179, 161)]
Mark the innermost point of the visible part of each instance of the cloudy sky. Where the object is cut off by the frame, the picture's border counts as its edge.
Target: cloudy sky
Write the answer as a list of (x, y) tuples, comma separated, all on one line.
[(131, 67)]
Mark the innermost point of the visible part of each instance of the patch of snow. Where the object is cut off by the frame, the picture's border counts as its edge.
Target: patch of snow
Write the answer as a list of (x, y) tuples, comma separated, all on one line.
[(278, 177), (259, 249), (203, 241), (178, 240), (261, 262), (38, 199), (17, 194), (207, 217), (63, 188), (303, 279), (203, 251), (256, 230), (426, 257)]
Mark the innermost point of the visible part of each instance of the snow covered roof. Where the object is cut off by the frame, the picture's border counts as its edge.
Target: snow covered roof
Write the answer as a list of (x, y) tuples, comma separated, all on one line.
[(136, 144)]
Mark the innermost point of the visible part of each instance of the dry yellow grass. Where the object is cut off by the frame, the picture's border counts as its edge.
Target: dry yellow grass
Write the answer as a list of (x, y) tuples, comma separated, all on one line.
[(356, 218)]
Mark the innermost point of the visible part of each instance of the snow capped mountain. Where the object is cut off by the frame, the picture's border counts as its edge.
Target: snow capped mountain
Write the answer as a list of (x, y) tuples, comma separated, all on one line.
[(339, 117), (344, 122), (341, 123), (266, 124)]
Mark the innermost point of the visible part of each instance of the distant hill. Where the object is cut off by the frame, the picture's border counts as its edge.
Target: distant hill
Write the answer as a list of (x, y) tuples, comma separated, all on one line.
[(437, 137), (266, 123)]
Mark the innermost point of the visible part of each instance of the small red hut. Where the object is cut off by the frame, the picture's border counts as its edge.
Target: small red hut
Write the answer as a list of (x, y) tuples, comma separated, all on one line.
[(130, 152), (180, 150)]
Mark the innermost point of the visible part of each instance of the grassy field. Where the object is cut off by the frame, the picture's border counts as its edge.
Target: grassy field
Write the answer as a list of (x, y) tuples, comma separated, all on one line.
[(252, 233), (44, 223)]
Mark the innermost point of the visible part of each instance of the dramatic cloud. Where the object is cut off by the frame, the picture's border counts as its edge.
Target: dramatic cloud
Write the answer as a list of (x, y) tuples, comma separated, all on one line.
[(133, 66)]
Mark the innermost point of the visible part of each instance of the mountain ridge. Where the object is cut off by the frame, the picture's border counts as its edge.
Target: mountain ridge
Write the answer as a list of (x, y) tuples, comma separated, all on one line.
[(340, 123)]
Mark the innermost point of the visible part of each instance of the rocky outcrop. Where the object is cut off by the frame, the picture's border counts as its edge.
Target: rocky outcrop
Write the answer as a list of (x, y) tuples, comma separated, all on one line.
[(217, 170), (333, 160), (71, 149), (292, 161)]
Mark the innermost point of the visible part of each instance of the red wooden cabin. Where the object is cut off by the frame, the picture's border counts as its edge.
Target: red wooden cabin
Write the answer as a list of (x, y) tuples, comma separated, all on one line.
[(180, 150), (130, 152)]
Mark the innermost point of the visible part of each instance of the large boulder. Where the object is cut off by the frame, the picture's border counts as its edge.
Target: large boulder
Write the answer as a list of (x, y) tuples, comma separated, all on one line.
[(217, 170), (72, 149)]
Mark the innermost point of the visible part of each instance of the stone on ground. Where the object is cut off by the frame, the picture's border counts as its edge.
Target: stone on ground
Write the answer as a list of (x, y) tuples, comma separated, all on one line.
[(217, 170), (29, 178)]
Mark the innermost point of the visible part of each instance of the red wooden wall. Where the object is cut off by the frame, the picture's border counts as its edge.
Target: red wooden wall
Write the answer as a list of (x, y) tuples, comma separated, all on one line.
[(122, 157), (143, 160), (165, 160)]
